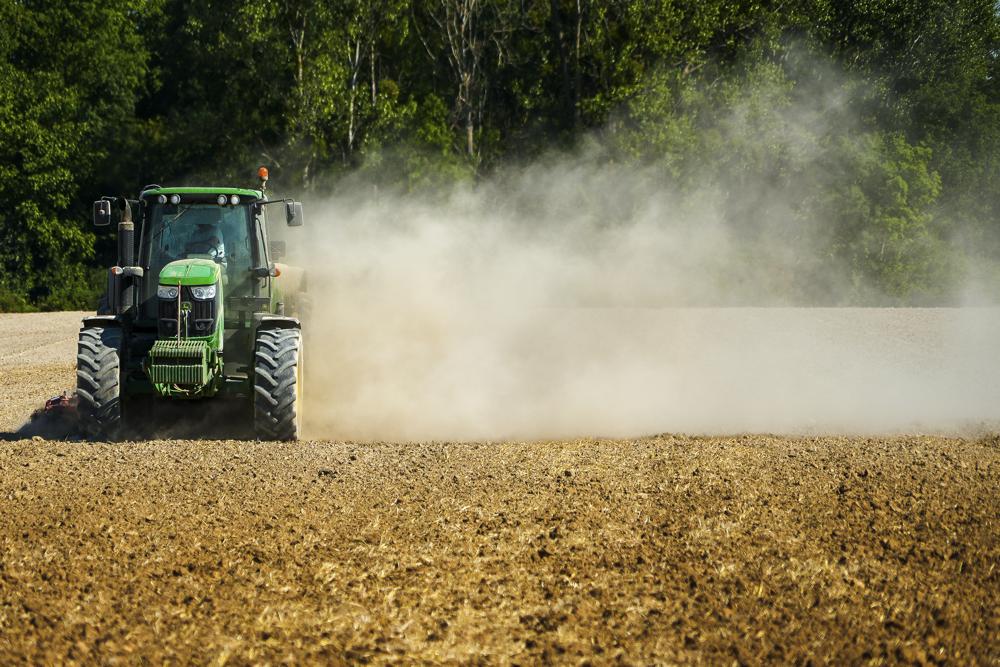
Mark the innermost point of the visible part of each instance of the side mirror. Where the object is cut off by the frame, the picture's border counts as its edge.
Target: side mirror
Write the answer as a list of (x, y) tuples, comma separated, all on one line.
[(293, 213), (265, 271), (277, 250), (102, 213)]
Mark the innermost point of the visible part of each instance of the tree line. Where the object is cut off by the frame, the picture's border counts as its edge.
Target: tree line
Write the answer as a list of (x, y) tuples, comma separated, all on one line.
[(883, 116)]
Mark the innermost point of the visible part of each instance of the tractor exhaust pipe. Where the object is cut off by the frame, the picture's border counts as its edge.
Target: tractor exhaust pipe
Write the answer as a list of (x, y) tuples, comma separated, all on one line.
[(126, 236), (126, 256), (121, 276)]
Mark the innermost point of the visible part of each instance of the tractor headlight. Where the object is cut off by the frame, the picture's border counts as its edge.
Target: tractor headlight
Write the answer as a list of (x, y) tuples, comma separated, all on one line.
[(175, 199), (204, 292), (221, 200), (166, 292), (234, 200), (162, 199)]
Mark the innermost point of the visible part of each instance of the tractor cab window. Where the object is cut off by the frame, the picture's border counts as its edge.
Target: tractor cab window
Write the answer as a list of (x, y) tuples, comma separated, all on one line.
[(203, 231)]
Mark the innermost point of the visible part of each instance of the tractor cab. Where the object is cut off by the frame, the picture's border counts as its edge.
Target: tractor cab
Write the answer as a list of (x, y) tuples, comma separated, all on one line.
[(223, 226)]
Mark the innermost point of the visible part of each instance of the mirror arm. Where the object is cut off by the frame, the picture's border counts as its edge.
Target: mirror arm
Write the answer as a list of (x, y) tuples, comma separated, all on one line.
[(264, 271)]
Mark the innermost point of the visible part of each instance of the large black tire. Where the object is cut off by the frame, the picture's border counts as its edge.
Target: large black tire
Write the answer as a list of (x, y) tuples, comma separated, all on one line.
[(277, 405), (98, 381)]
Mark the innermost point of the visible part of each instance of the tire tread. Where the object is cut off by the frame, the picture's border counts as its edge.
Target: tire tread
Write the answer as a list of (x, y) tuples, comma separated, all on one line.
[(276, 375), (98, 381)]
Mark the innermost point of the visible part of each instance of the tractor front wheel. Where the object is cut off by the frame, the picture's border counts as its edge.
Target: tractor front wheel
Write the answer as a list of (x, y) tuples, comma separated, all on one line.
[(277, 409), (98, 381)]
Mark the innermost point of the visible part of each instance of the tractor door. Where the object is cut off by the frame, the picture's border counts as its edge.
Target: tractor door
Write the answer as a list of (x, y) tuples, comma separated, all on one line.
[(240, 254), (245, 292)]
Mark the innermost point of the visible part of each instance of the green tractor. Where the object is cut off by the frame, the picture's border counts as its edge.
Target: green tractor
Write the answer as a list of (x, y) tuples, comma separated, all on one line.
[(197, 308)]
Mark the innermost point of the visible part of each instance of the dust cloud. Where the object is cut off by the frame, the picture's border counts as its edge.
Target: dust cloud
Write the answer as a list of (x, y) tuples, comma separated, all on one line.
[(575, 297)]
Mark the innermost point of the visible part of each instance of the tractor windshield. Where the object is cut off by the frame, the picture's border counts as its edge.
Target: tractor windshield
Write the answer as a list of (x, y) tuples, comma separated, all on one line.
[(205, 231)]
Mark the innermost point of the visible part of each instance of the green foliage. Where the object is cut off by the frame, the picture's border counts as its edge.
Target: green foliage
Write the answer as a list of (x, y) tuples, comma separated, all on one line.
[(877, 122), (14, 301), (70, 73), (414, 148), (880, 207)]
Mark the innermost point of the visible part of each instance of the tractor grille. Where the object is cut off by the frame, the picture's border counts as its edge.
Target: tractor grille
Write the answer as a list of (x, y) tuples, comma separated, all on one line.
[(201, 320)]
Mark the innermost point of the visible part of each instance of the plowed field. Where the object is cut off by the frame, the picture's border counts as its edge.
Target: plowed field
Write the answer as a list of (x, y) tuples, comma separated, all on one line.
[(662, 549)]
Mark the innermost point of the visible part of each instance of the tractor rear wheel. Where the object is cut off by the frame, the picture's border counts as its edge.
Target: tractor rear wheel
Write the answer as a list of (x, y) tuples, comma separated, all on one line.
[(277, 407), (98, 381)]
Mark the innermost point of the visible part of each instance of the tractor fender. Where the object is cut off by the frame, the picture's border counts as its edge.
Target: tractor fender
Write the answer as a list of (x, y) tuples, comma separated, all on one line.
[(278, 322), (92, 321)]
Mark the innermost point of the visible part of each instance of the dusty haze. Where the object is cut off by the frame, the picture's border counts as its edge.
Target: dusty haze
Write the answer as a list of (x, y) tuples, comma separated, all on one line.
[(567, 299)]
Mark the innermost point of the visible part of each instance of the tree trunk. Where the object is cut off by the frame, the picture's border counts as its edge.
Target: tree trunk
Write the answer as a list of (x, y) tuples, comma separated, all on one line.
[(566, 103), (371, 61), (470, 135), (355, 63), (577, 75)]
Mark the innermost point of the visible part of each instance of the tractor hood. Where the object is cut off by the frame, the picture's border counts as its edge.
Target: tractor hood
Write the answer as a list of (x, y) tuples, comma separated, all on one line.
[(190, 272)]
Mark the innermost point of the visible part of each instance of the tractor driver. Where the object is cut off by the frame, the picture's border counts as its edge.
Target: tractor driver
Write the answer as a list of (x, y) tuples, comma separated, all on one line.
[(207, 240)]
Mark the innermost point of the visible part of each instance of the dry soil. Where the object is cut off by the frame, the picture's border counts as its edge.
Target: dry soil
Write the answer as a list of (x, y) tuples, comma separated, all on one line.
[(662, 549)]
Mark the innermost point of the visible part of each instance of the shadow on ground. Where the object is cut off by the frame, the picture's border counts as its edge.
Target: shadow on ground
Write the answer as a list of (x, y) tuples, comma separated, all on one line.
[(148, 419)]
